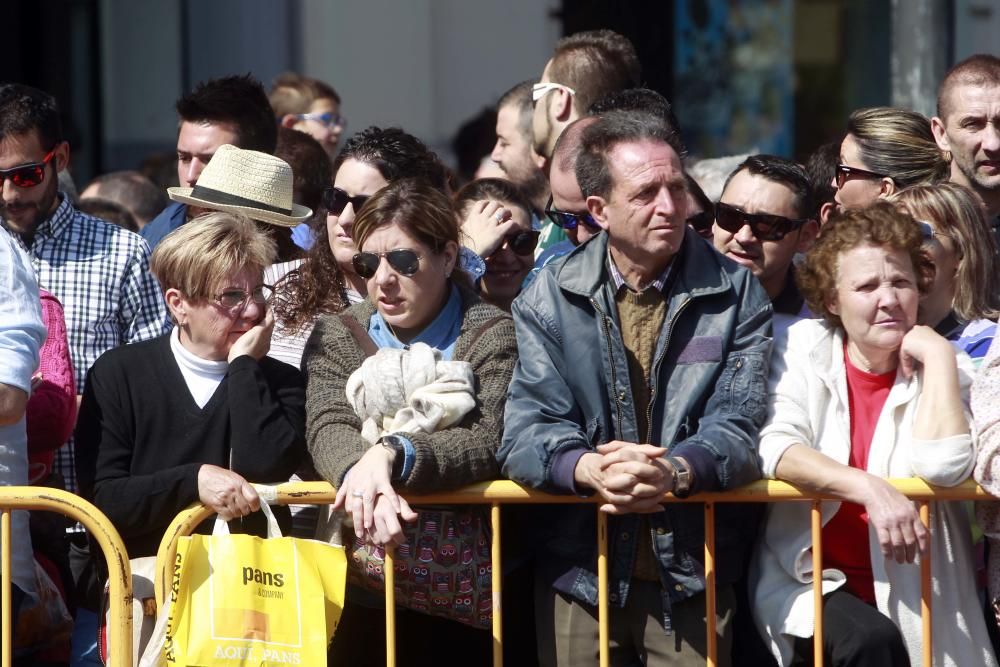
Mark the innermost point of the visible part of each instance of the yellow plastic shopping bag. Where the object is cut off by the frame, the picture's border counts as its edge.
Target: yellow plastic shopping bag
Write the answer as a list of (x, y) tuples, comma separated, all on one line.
[(243, 600)]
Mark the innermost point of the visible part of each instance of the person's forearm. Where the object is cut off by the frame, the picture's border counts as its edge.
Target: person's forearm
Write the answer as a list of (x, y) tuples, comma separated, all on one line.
[(940, 413), (12, 404), (813, 471)]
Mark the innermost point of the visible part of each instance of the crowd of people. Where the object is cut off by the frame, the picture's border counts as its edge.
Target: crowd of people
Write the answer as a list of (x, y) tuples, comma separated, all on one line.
[(592, 315)]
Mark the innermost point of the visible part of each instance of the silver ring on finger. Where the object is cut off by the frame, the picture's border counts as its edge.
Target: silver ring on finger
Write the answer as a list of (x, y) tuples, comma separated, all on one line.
[(499, 216)]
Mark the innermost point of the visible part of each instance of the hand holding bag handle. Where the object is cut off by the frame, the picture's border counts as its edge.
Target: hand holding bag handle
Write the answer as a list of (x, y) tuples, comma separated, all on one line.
[(268, 495)]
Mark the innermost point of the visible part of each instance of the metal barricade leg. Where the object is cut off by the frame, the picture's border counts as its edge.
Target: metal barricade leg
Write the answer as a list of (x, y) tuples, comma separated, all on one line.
[(389, 568), (497, 574), (602, 588), (710, 627), (8, 622), (817, 554), (926, 590)]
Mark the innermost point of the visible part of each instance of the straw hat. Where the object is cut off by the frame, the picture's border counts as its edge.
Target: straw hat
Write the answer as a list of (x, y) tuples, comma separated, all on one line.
[(249, 182)]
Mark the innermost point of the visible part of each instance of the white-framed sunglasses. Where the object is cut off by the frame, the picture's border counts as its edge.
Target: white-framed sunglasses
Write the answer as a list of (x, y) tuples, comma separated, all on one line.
[(539, 90), (329, 118)]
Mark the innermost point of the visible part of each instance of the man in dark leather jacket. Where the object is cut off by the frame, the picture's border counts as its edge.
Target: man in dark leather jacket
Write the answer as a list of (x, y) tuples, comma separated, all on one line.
[(643, 358)]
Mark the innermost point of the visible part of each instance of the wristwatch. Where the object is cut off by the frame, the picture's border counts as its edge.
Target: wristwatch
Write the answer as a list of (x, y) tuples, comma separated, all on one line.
[(396, 444), (682, 477)]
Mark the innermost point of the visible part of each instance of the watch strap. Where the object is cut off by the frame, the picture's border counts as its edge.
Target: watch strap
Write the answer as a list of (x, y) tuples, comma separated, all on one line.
[(681, 475), (395, 443)]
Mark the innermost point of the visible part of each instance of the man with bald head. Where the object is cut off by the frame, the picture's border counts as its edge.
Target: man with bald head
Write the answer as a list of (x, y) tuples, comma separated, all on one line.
[(967, 125)]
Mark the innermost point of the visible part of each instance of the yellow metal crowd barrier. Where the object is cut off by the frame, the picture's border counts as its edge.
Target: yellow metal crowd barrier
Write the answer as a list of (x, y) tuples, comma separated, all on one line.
[(105, 535), (504, 492)]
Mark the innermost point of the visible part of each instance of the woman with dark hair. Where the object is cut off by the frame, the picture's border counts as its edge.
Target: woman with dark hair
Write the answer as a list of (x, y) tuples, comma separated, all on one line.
[(886, 150), (326, 282), (490, 204), (418, 307), (863, 395), (701, 211)]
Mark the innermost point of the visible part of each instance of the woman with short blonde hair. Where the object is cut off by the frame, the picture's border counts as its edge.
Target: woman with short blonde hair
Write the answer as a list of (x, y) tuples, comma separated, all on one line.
[(963, 303), (200, 413)]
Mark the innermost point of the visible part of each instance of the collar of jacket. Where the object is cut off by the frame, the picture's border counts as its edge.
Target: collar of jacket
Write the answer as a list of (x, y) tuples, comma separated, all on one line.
[(827, 356), (475, 313), (584, 271)]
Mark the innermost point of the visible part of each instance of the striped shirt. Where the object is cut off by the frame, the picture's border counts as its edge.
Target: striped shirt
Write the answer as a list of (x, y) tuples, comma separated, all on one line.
[(100, 273)]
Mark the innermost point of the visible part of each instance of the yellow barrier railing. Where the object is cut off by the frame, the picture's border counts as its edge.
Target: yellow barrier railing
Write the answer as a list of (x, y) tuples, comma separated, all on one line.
[(119, 571), (506, 492)]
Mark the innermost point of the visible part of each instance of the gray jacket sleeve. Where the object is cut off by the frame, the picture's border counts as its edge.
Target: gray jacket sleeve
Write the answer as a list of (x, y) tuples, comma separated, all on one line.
[(737, 408), (542, 424)]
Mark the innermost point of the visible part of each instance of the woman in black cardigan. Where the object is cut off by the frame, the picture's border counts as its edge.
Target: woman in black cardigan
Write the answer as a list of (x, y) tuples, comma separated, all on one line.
[(195, 414)]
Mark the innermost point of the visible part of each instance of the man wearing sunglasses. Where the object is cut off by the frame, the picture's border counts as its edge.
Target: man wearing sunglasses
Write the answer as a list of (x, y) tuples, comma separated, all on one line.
[(660, 388), (584, 67), (230, 110), (98, 271), (762, 220)]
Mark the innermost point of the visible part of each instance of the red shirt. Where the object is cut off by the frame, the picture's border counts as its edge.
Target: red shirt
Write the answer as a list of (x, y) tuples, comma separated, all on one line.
[(845, 536)]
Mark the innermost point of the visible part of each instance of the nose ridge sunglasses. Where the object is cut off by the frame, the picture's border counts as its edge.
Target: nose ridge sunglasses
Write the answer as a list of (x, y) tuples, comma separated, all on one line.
[(568, 220), (523, 242), (336, 200), (27, 175), (765, 227), (843, 172), (403, 261), (701, 222)]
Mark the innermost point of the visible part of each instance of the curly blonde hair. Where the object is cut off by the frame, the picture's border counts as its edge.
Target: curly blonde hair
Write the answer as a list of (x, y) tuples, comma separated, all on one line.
[(883, 225)]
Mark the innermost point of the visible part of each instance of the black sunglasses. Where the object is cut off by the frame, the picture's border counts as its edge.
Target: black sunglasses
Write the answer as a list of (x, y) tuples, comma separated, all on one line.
[(702, 222), (844, 172), (568, 220), (336, 200), (765, 227), (523, 242), (403, 261)]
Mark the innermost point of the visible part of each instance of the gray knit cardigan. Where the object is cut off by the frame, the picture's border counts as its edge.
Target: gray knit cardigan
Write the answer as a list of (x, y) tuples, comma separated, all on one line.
[(448, 459)]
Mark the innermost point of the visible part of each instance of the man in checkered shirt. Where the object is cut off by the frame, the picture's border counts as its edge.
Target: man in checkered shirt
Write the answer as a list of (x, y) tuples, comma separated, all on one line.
[(99, 271)]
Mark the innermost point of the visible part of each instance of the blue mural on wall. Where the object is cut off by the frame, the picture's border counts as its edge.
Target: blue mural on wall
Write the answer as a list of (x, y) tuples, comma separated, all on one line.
[(733, 76)]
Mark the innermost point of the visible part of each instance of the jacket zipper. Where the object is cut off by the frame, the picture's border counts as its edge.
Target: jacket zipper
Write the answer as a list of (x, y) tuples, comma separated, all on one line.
[(655, 373), (611, 360)]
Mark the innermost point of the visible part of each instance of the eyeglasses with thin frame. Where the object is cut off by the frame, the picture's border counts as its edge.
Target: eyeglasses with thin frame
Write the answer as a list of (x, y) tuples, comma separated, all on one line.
[(764, 226), (928, 231), (539, 90), (237, 299), (336, 200), (327, 118), (568, 220), (27, 175), (404, 261), (844, 172)]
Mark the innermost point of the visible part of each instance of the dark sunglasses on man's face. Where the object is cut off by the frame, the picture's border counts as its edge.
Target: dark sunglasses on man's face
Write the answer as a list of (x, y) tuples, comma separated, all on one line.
[(27, 175), (336, 200), (523, 242), (568, 220), (764, 226), (701, 222), (844, 172), (403, 261)]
